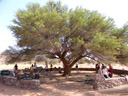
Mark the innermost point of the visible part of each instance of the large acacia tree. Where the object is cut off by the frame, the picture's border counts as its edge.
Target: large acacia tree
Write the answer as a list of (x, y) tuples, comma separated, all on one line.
[(68, 34)]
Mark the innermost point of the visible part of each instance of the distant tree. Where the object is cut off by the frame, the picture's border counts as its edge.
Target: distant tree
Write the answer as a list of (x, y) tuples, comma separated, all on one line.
[(69, 35), (16, 54)]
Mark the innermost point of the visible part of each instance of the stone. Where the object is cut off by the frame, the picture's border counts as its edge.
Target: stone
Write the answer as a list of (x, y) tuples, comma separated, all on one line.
[(27, 84), (101, 83)]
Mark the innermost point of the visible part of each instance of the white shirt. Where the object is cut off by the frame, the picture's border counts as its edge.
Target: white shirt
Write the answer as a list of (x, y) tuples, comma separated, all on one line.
[(46, 67), (105, 71), (35, 66)]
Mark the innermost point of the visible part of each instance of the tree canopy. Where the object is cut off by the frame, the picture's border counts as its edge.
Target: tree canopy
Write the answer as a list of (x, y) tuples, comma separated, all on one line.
[(68, 34)]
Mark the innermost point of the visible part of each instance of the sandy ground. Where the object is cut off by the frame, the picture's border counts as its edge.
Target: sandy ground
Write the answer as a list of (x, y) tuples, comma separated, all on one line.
[(56, 85)]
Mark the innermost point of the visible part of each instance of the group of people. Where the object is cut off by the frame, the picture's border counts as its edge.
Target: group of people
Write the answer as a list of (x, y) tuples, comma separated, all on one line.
[(33, 71), (33, 67), (46, 68), (107, 72), (51, 68)]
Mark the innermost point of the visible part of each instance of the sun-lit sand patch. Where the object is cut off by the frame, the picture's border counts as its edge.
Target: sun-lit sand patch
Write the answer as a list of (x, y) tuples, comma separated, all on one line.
[(42, 64)]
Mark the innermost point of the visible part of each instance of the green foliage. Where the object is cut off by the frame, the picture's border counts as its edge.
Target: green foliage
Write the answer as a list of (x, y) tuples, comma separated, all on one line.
[(122, 33), (106, 44), (123, 56), (68, 34)]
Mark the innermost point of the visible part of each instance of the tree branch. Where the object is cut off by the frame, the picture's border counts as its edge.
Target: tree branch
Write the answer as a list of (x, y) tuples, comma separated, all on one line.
[(78, 58)]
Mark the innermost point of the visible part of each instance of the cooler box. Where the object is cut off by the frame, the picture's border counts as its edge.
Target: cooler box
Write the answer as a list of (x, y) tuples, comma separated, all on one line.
[(5, 72)]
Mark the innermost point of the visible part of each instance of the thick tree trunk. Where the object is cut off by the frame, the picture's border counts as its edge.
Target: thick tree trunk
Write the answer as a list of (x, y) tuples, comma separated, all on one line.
[(67, 71), (68, 65)]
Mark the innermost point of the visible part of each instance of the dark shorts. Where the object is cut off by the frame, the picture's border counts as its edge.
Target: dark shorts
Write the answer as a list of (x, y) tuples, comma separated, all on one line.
[(110, 75), (105, 76), (37, 76), (51, 69)]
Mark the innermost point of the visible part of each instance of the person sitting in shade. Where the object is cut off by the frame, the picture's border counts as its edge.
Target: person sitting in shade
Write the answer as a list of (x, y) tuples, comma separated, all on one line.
[(110, 70), (103, 66), (13, 72), (35, 66), (105, 72), (59, 70), (37, 76)]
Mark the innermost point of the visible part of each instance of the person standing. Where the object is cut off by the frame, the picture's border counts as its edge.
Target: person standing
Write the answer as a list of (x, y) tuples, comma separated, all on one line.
[(35, 66), (16, 70), (77, 68), (103, 66), (97, 67), (59, 69), (32, 68), (32, 71), (16, 67), (110, 70), (46, 68), (51, 68)]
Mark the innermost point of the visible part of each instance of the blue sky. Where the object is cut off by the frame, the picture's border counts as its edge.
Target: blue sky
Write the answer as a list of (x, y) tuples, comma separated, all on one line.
[(116, 9)]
